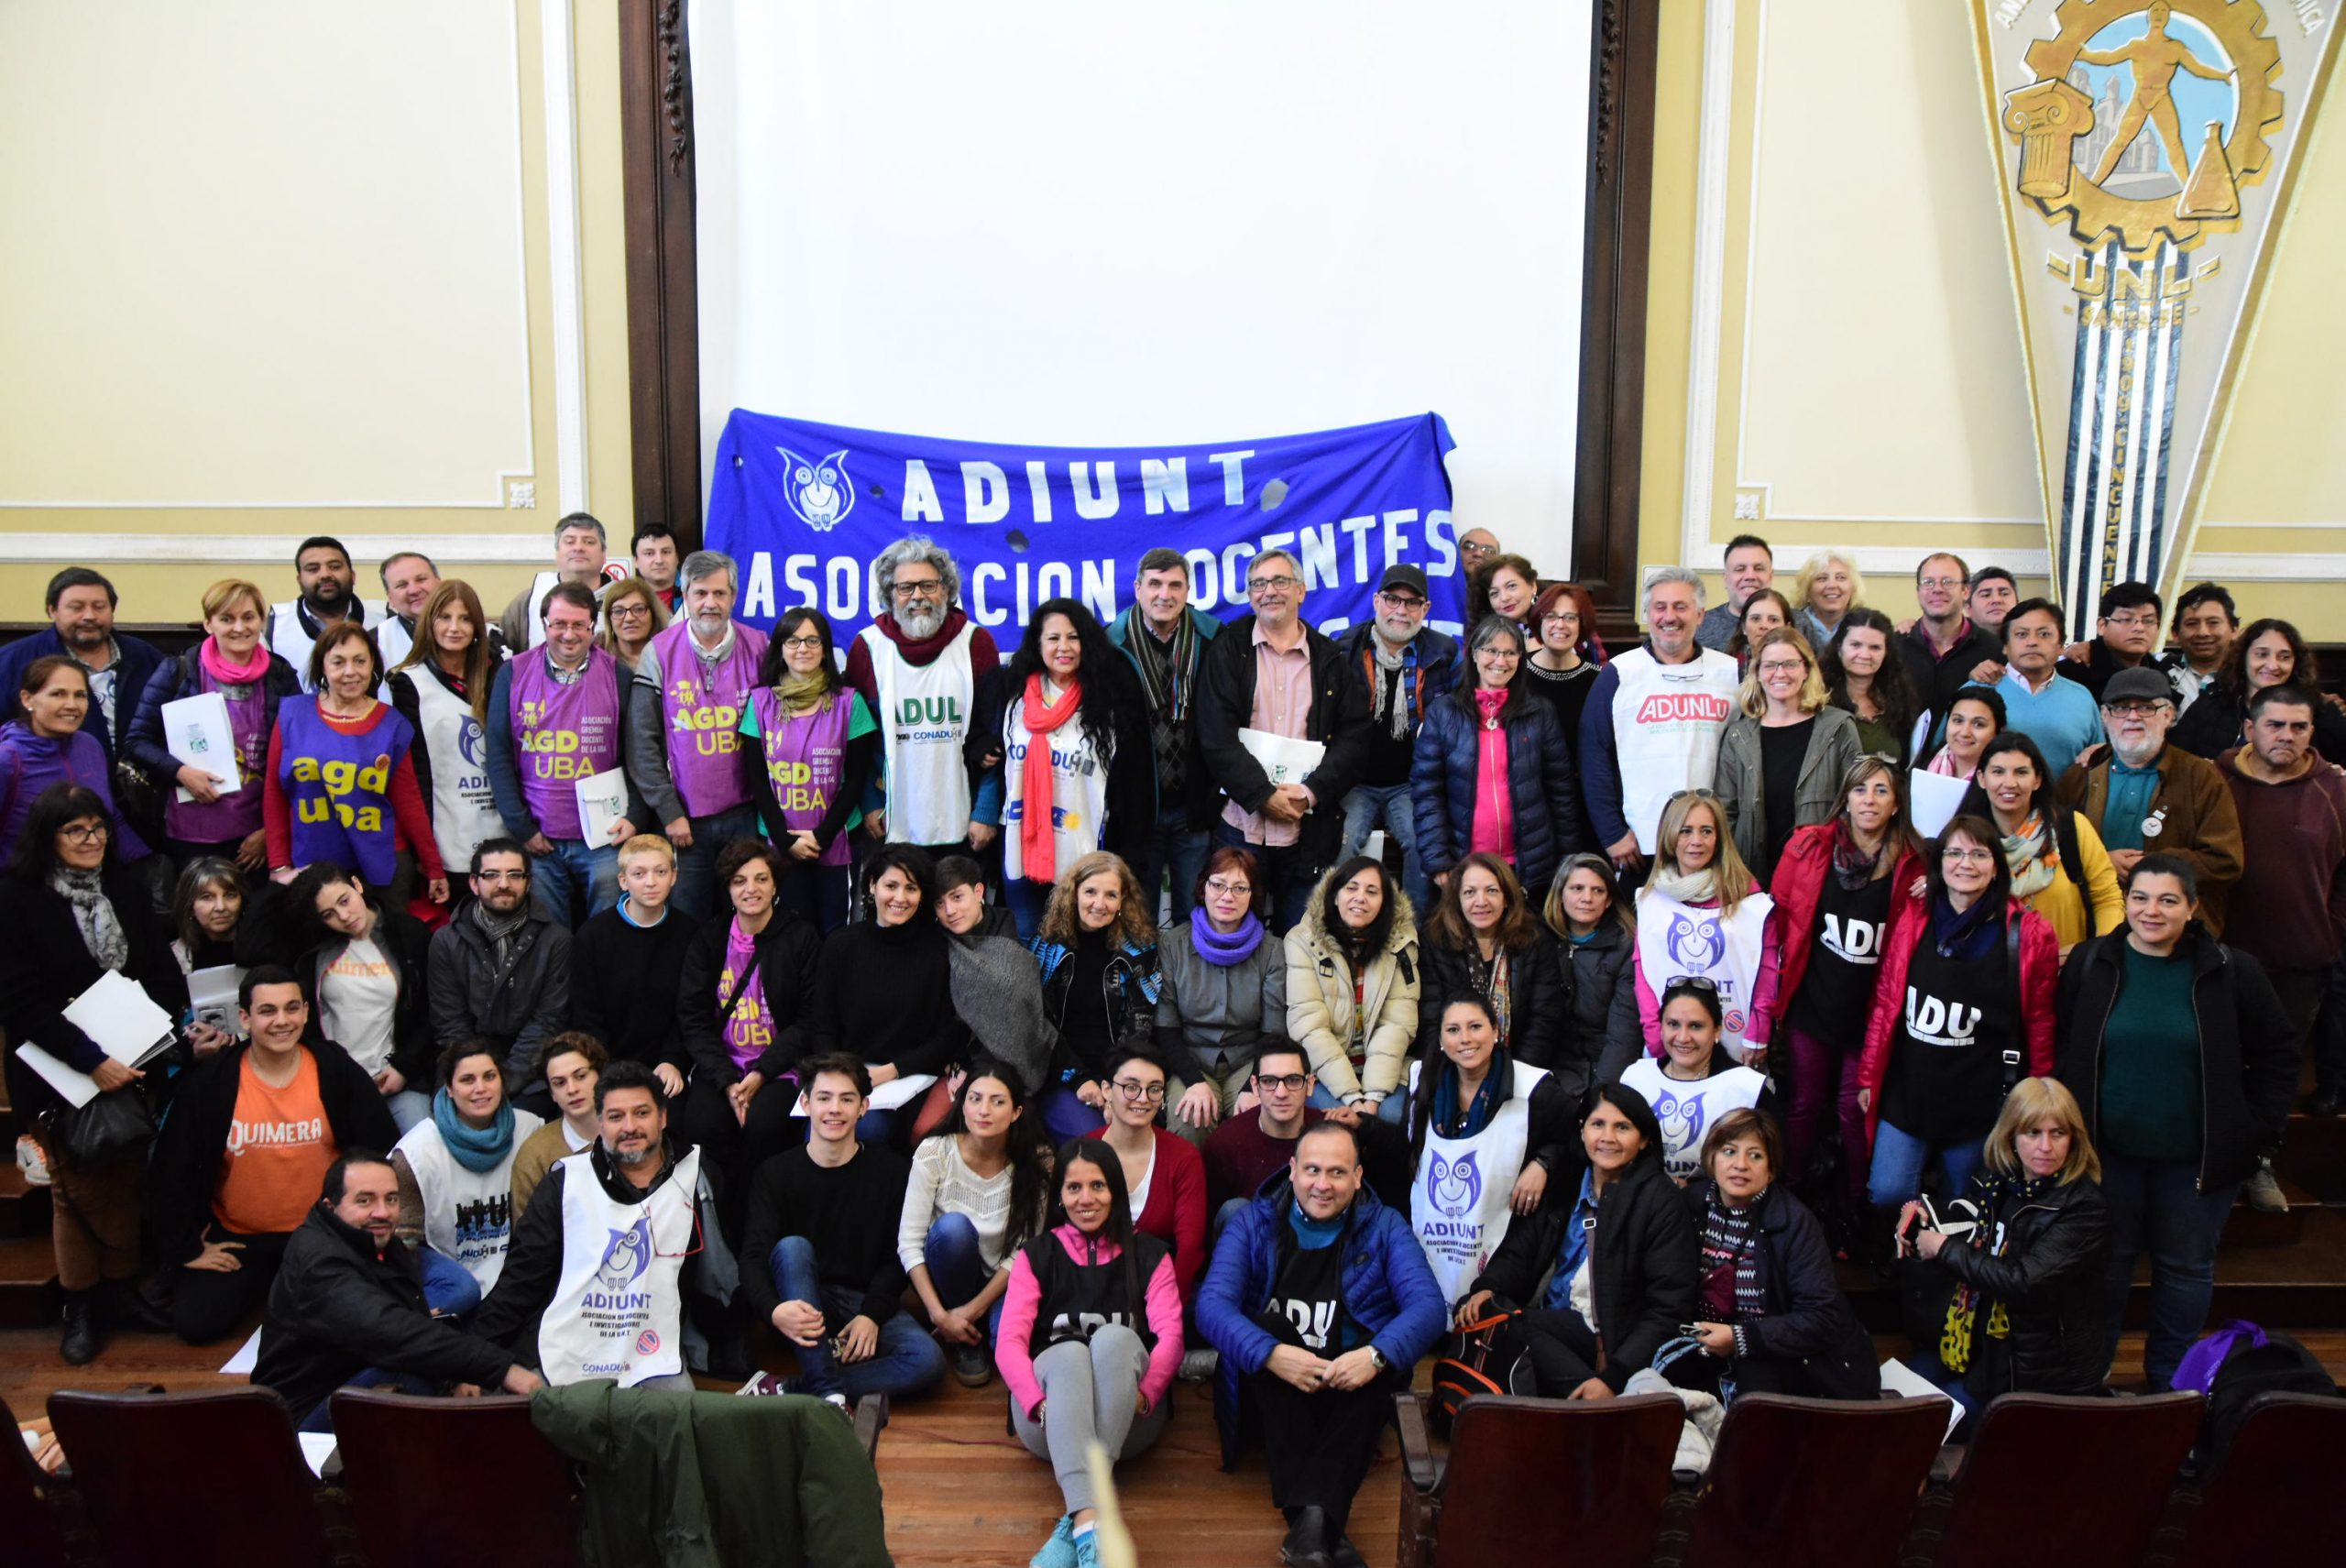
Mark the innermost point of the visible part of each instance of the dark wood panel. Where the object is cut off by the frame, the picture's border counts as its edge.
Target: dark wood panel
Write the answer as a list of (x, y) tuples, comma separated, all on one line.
[(663, 291)]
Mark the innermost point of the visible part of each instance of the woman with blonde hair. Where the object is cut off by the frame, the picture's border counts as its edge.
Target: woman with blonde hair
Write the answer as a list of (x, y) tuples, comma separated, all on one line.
[(1702, 914), (442, 689), (632, 616), (2029, 1313), (1829, 585), (232, 661), (1785, 752), (1097, 947)]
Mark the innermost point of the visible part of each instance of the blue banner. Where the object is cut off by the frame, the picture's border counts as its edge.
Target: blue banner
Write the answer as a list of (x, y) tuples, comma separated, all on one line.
[(805, 507)]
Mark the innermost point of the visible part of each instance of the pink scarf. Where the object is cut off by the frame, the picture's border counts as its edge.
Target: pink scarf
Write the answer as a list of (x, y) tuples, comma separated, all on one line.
[(1036, 846), (216, 665), (1493, 831)]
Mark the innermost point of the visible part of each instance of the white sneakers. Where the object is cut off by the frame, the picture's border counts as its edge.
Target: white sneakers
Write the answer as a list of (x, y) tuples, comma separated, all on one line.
[(31, 1160)]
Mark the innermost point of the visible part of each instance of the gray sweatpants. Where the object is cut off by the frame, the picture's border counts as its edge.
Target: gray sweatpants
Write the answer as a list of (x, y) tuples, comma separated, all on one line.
[(1091, 1394)]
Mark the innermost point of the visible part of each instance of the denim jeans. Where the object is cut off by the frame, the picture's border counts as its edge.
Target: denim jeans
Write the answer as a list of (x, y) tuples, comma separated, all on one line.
[(1392, 1108), (905, 1360), (1369, 807), (956, 1268), (1287, 876), (577, 882), (817, 893), (408, 1107), (1174, 852), (1899, 1158), (2155, 1206), (697, 893)]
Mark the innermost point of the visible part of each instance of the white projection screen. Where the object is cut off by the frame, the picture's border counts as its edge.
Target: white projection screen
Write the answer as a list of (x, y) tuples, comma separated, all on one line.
[(1063, 222)]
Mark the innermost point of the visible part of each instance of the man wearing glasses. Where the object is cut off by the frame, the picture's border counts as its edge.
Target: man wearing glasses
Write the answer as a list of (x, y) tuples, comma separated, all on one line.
[(2130, 618), (1165, 637), (1405, 664), (1272, 674), (917, 666), (1477, 547), (614, 1240), (500, 972), (1245, 1150), (2144, 795), (1943, 648)]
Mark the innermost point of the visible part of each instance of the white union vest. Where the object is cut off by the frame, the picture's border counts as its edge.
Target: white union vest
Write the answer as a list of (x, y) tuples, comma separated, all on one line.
[(1079, 790), (1688, 1111), (467, 1214), (464, 808), (1458, 1195), (1667, 720), (1675, 940), (618, 1310), (924, 716), (291, 642)]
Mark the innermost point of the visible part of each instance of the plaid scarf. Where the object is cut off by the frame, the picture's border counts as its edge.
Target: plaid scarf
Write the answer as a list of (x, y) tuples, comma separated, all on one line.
[(1168, 675)]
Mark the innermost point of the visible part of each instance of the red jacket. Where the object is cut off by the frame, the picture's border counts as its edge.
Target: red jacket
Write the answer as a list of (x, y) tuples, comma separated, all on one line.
[(2039, 977), (1798, 887)]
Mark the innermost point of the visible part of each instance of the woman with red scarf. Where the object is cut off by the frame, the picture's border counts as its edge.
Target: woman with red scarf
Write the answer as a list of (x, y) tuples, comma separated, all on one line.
[(1060, 744)]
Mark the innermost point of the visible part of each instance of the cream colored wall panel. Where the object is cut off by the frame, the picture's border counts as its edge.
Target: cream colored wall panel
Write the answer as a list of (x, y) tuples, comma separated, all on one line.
[(1880, 372), (268, 254)]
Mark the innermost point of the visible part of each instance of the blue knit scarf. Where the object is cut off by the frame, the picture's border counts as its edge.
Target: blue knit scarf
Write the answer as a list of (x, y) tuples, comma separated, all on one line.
[(478, 1149)]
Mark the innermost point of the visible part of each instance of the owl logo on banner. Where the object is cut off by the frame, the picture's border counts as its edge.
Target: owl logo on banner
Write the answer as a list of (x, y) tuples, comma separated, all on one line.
[(1454, 1186), (629, 1255), (1697, 944), (820, 493)]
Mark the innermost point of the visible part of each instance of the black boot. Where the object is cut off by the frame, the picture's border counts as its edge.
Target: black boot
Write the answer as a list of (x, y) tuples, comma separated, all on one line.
[(1344, 1554), (127, 1307), (79, 1344), (1307, 1541)]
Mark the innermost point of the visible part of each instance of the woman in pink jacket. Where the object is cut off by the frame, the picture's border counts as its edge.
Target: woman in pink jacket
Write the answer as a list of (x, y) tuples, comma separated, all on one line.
[(1091, 1339)]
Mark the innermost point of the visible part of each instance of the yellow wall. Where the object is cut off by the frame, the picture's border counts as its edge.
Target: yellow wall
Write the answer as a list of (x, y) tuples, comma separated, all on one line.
[(1869, 382), (279, 269)]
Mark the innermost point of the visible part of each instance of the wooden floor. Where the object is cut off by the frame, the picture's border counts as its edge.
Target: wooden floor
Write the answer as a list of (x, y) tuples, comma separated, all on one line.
[(961, 1491)]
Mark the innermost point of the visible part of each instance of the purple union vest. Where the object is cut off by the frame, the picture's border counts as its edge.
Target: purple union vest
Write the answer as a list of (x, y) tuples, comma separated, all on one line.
[(340, 787), (700, 717), (805, 759), (561, 734), (231, 816)]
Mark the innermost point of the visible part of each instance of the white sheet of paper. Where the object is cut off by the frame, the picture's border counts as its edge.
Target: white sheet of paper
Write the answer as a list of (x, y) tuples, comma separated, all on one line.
[(317, 1447), (602, 800), (212, 997), (1933, 798), (1903, 1380), (889, 1096), (248, 1356), (78, 1088), (124, 1021), (196, 730), (1285, 759)]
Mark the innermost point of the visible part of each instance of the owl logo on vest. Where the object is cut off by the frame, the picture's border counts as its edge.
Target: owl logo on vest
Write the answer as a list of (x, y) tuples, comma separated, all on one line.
[(1454, 1186), (822, 493), (1697, 944), (1681, 1118), (472, 741), (629, 1255)]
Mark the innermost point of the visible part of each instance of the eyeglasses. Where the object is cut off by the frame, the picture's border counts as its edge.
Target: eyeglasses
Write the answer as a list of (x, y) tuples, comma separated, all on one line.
[(2133, 622), (2133, 709), (1266, 584), (1141, 1093), (83, 833), (809, 642), (1781, 666), (697, 1240), (631, 611), (1402, 601), (1288, 1082), (1947, 584), (1464, 549), (1984, 857), (1553, 616), (1698, 794), (1223, 887), (928, 587), (501, 876)]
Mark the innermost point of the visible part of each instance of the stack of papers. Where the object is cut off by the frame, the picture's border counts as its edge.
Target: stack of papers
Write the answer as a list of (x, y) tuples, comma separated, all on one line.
[(121, 1020)]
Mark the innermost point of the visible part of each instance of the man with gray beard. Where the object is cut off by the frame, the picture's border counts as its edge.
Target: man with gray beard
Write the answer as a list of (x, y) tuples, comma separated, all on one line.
[(684, 754), (2145, 797), (917, 666)]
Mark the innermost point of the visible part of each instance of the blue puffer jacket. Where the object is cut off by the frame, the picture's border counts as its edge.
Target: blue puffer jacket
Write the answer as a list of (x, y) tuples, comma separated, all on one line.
[(1387, 1289), (1542, 787)]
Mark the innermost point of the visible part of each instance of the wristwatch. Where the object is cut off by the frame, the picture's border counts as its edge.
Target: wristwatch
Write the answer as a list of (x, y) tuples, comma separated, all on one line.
[(1377, 1357)]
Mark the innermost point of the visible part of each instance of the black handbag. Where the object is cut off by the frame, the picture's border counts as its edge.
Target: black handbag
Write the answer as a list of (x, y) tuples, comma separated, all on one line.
[(112, 1128)]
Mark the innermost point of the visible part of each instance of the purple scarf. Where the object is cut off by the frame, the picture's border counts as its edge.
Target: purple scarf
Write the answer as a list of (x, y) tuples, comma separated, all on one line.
[(1221, 951)]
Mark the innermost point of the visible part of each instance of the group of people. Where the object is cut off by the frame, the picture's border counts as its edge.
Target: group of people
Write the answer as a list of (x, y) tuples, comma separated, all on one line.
[(559, 994)]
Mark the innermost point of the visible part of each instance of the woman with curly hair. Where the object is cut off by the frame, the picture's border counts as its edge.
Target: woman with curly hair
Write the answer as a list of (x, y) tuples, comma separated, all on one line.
[(1097, 947)]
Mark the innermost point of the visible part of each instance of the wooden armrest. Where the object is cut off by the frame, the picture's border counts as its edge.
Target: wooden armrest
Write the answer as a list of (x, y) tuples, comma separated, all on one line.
[(870, 1415), (1425, 1471)]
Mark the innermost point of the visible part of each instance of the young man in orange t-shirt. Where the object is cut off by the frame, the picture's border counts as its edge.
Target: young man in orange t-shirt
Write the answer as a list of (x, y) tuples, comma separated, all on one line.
[(245, 1150)]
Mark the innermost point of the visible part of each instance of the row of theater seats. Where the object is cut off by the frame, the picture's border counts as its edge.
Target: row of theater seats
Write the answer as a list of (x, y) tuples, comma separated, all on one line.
[(216, 1479), (1816, 1483)]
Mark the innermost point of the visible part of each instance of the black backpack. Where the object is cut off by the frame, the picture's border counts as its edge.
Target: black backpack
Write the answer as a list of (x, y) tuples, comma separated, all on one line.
[(2248, 1363)]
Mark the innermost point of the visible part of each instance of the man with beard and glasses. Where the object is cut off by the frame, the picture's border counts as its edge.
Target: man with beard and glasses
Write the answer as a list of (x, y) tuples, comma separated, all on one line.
[(409, 578), (616, 1241), (1406, 665), (685, 759), (1164, 636), (323, 565), (917, 666), (500, 972), (80, 628), (582, 557), (2144, 797)]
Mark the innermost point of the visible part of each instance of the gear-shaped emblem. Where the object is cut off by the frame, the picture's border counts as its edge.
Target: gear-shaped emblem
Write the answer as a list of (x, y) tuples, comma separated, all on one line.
[(2049, 116)]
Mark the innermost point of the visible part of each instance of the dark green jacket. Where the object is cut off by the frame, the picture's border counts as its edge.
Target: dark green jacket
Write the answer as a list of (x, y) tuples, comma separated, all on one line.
[(714, 1480)]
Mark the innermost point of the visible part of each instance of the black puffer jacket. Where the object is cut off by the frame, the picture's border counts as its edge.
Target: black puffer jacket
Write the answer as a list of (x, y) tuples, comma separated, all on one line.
[(2050, 1283), (1539, 1024), (1601, 991), (1806, 1318), (1644, 1254), (2248, 1062)]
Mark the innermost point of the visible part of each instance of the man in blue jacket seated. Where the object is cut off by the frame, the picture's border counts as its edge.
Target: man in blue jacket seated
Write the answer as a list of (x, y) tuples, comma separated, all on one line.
[(1321, 1302)]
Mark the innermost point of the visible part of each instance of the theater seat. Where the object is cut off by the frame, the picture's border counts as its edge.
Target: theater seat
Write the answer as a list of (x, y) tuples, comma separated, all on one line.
[(2081, 1481), (1814, 1483), (398, 1449), (195, 1480), (2277, 1488), (29, 1513), (1596, 1472)]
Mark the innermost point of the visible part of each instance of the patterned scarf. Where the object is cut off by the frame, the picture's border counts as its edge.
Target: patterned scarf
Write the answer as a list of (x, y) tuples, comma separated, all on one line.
[(2034, 856), (1404, 705), (2001, 1197), (1853, 866), (1492, 977), (94, 915), (1730, 1272), (1168, 675)]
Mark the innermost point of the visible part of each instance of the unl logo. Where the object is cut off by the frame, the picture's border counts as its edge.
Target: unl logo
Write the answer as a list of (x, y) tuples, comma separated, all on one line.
[(821, 493), (1683, 708)]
